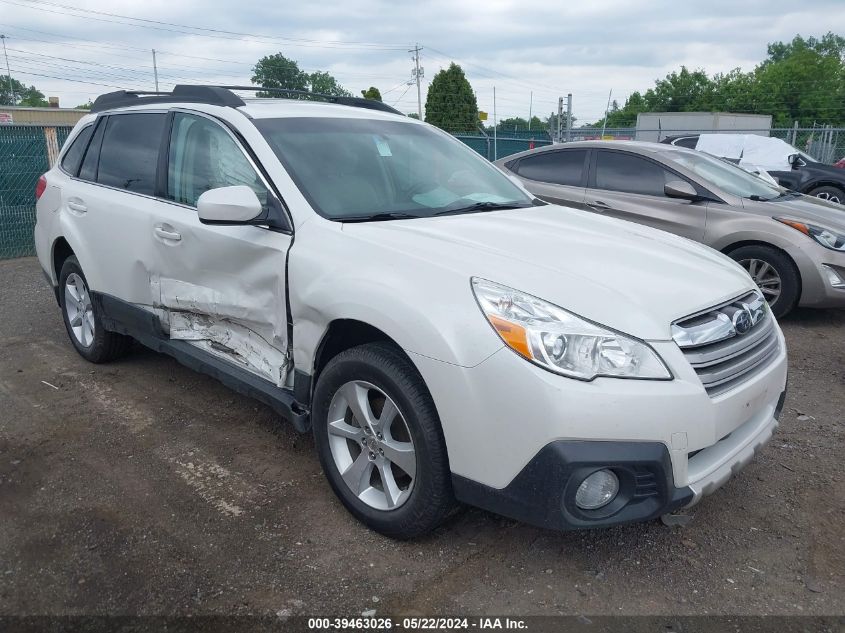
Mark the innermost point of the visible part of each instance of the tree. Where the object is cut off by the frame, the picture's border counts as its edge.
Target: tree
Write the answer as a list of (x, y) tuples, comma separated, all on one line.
[(277, 71), (371, 93), (450, 103), (85, 106), (28, 96), (323, 83), (414, 115)]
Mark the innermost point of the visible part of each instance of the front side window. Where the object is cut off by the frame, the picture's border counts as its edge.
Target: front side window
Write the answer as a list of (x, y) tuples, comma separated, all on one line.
[(355, 169), (73, 156), (616, 171), (204, 156), (561, 168), (129, 155)]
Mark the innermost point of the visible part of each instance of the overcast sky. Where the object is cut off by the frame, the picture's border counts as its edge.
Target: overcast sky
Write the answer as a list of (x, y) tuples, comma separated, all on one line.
[(586, 47)]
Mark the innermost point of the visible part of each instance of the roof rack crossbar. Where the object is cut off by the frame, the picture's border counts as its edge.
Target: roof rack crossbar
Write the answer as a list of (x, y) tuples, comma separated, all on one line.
[(355, 102), (221, 95)]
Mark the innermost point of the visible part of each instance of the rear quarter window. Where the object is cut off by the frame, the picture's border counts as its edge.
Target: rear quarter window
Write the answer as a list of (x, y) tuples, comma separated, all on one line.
[(564, 167), (73, 156)]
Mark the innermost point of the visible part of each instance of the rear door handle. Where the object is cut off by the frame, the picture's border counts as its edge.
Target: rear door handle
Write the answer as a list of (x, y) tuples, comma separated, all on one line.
[(77, 205), (166, 232)]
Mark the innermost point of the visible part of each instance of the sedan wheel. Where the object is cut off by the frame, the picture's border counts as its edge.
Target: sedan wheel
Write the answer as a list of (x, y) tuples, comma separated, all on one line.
[(765, 276), (80, 311), (371, 445)]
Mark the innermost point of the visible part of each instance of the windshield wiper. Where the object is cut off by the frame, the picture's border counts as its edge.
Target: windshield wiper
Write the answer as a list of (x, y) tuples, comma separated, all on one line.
[(376, 217), (483, 206)]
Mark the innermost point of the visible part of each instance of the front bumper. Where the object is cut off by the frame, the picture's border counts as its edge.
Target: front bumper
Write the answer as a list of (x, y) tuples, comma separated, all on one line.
[(517, 435)]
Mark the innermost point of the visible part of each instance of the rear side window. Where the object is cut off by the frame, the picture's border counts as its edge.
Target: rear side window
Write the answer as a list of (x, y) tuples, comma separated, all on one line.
[(73, 156), (204, 156), (561, 168), (129, 154), (88, 171), (616, 171)]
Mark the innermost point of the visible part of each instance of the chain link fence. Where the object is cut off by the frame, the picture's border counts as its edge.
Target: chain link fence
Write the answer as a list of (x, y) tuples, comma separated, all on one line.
[(25, 154)]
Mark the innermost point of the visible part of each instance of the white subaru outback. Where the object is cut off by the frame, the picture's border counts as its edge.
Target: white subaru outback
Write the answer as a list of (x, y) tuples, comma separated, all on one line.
[(445, 335)]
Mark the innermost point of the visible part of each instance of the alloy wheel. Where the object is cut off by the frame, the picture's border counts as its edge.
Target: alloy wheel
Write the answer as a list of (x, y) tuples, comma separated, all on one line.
[(765, 276), (79, 310), (832, 197), (371, 445)]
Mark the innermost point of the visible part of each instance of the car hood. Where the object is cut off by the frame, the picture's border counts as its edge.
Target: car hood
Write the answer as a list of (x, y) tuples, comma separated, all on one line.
[(626, 276), (808, 208)]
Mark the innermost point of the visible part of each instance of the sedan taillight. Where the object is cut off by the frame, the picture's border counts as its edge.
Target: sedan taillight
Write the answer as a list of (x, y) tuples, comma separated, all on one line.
[(40, 186)]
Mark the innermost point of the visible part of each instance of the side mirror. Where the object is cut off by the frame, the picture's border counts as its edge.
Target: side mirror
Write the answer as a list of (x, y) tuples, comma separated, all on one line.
[(680, 189), (795, 161), (228, 205)]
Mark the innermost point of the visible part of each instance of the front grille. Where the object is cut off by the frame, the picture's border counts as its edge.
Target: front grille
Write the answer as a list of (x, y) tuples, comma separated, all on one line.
[(730, 343)]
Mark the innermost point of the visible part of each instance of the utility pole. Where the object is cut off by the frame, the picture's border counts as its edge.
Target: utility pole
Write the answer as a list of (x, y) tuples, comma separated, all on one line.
[(569, 117), (559, 119), (530, 109), (418, 73), (155, 68), (8, 72), (495, 125)]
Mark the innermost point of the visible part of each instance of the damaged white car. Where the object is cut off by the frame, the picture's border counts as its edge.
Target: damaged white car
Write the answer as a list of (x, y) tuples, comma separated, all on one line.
[(447, 336)]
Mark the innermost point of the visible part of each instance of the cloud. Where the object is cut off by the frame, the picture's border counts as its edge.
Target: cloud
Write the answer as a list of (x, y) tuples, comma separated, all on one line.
[(585, 48)]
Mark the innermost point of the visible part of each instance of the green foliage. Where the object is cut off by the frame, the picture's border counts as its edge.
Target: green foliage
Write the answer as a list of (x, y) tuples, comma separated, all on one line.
[(85, 106), (28, 96), (518, 124), (414, 115), (371, 93), (323, 83), (802, 80), (277, 71), (450, 103)]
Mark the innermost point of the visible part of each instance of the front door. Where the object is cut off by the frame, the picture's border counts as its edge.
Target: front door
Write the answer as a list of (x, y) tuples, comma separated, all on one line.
[(221, 287), (630, 187)]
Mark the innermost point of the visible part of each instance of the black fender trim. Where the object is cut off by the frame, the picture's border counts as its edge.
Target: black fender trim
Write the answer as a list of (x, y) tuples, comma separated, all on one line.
[(145, 327), (543, 493)]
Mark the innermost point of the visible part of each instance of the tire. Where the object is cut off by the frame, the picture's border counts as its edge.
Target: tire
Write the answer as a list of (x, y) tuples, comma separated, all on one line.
[(833, 194), (754, 259), (87, 334), (382, 375)]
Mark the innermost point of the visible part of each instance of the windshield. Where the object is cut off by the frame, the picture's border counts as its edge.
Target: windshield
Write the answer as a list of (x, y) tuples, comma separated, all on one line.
[(360, 169), (725, 176)]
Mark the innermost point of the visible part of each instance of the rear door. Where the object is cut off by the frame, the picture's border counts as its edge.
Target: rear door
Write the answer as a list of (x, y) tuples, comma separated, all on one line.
[(222, 287), (557, 176), (630, 187), (108, 204)]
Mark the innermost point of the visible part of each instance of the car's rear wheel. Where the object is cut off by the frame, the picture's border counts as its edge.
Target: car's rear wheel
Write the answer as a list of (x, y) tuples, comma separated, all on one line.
[(774, 273), (380, 442), (834, 194), (82, 319)]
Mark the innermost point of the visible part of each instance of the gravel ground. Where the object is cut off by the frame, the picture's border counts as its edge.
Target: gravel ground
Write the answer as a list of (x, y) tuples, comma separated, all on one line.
[(141, 487)]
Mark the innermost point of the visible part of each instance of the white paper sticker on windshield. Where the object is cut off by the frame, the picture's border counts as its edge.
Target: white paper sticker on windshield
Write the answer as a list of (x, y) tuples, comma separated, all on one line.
[(382, 146)]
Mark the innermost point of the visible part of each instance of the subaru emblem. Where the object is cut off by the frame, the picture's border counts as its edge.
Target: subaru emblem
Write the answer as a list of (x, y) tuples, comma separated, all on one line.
[(742, 320)]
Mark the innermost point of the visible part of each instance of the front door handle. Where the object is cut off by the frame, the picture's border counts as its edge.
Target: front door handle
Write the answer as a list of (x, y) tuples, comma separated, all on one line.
[(167, 233), (76, 205)]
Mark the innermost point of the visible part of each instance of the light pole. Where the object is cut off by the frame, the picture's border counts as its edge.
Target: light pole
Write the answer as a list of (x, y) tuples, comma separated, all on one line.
[(8, 72)]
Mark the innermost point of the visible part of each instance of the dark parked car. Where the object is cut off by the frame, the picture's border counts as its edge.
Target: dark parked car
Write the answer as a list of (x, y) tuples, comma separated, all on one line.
[(807, 174)]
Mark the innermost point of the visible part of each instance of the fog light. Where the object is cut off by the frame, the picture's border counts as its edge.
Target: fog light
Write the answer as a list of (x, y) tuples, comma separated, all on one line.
[(833, 277), (597, 490)]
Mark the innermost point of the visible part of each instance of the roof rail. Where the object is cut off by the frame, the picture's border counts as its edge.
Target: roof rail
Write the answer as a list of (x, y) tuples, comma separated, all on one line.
[(222, 96)]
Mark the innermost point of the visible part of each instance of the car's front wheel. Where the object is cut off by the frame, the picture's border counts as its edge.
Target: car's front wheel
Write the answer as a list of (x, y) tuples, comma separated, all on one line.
[(380, 443), (774, 273), (82, 319)]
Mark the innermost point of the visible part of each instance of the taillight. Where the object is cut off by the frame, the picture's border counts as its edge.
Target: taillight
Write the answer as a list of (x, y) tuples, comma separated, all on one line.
[(40, 186)]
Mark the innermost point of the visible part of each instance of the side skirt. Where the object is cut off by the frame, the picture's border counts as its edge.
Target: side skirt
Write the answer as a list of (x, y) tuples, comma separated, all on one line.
[(145, 327)]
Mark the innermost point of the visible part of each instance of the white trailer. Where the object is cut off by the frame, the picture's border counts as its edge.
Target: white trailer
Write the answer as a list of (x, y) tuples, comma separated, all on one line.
[(656, 126)]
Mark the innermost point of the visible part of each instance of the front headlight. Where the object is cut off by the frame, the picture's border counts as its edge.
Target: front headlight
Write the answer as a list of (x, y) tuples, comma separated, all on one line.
[(826, 237), (561, 342)]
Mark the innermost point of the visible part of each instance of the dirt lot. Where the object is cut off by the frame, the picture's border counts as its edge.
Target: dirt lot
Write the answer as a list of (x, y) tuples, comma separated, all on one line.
[(142, 488)]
